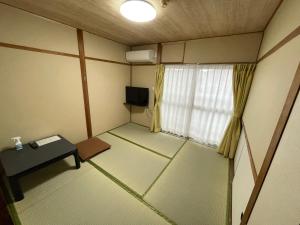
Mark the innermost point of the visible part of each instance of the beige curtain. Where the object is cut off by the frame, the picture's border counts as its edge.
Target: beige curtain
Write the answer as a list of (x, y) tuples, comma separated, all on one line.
[(158, 91), (242, 78)]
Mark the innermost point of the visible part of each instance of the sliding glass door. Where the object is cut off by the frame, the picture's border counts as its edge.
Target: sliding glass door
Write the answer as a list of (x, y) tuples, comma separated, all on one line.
[(197, 101)]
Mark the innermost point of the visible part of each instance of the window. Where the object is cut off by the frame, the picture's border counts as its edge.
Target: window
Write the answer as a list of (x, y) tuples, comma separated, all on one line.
[(197, 101)]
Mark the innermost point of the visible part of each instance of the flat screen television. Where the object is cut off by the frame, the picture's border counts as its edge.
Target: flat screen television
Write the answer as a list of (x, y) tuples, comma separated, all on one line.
[(137, 96)]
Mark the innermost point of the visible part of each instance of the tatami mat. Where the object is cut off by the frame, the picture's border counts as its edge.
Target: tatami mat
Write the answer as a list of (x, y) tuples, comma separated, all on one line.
[(129, 163), (193, 189), (40, 184), (161, 143), (93, 199)]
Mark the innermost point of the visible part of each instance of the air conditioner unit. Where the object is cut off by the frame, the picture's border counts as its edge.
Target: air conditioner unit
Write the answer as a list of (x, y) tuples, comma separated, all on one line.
[(141, 56)]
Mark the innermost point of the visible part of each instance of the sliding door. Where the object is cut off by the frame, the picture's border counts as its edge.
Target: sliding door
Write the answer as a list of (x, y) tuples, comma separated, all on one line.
[(197, 101)]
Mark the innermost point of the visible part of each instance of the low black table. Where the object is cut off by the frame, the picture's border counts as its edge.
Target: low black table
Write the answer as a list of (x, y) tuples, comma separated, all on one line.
[(19, 163)]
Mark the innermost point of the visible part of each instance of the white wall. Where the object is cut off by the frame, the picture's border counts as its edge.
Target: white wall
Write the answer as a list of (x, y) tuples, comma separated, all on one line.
[(270, 86), (271, 83), (98, 47), (287, 19), (106, 82), (173, 52), (278, 202), (41, 94), (143, 76), (235, 48), (240, 147), (243, 181), (23, 28)]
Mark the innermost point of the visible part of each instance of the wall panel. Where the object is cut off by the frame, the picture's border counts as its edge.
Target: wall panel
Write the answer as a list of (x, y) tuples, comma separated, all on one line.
[(236, 48), (286, 19), (242, 186), (98, 47), (279, 200), (143, 47), (272, 81), (23, 28), (106, 86), (107, 81), (240, 147), (143, 76), (40, 95), (172, 52), (269, 90)]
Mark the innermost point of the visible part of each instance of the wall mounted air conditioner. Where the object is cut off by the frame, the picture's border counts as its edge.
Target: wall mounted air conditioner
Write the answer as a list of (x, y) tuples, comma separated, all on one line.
[(141, 56)]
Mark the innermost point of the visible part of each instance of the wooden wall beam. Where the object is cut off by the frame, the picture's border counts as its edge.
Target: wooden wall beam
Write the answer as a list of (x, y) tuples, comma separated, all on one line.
[(84, 83), (254, 172), (183, 54), (159, 53), (106, 60), (285, 40), (32, 49)]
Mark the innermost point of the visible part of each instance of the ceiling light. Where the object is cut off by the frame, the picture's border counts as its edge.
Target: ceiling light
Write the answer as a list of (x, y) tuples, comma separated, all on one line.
[(138, 10)]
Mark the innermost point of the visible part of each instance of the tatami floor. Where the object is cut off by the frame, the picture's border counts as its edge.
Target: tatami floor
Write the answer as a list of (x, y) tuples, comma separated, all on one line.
[(144, 178)]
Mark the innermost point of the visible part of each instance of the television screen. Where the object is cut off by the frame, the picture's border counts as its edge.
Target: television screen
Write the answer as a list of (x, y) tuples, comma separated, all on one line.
[(137, 96)]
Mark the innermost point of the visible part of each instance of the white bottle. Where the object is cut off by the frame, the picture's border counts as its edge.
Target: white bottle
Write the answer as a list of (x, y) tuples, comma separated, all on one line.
[(18, 143)]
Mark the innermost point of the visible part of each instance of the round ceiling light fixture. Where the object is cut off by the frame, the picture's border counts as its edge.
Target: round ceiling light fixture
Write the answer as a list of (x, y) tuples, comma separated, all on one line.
[(138, 10)]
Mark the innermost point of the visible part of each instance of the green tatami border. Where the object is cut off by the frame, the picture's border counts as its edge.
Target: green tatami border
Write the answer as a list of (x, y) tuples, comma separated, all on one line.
[(9, 199), (159, 175), (143, 147), (130, 191), (140, 125), (14, 214), (116, 180), (111, 129)]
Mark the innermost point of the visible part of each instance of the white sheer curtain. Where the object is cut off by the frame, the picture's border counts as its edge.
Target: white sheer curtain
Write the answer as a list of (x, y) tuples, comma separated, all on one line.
[(177, 100), (197, 101)]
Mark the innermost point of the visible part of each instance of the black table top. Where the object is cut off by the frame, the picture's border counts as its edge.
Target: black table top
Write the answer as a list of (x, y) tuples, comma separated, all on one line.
[(15, 162)]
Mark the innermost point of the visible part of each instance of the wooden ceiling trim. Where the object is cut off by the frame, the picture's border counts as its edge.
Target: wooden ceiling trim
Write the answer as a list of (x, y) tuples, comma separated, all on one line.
[(181, 63)]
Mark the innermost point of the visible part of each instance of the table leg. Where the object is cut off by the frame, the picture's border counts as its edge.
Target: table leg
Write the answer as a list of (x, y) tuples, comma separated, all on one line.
[(16, 188), (77, 160)]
